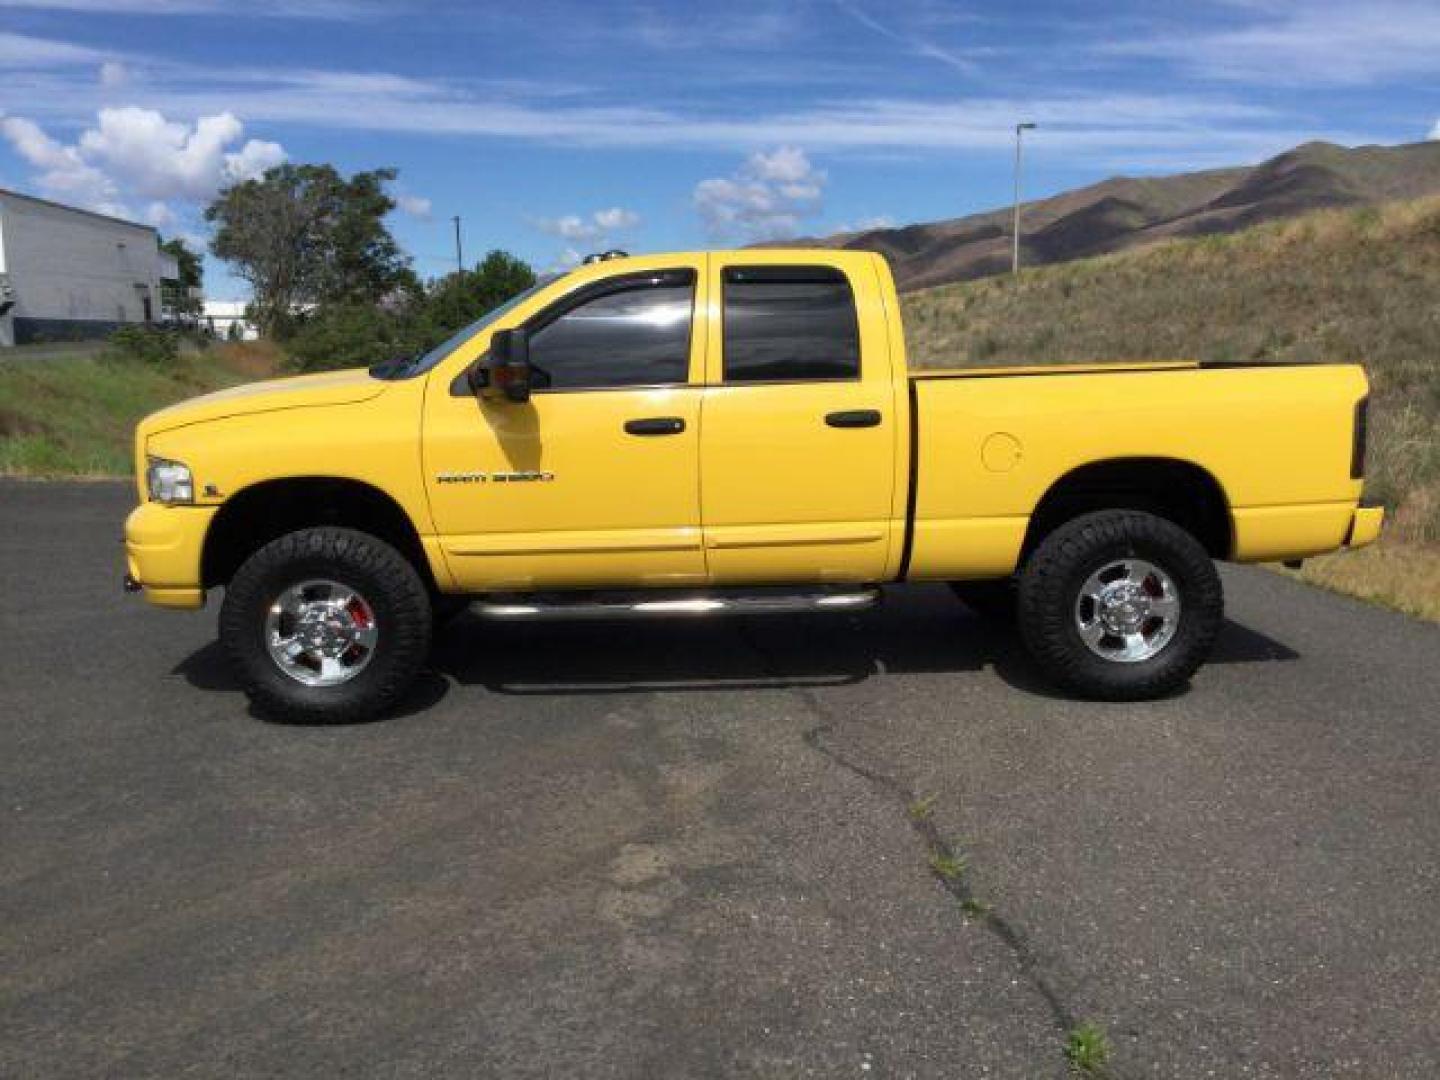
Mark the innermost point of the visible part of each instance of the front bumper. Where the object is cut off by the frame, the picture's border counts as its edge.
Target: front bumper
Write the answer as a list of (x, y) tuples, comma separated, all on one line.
[(1365, 526), (163, 545)]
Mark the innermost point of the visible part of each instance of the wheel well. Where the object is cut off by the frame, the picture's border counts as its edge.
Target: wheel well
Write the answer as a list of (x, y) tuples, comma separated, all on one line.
[(253, 517), (1175, 490)]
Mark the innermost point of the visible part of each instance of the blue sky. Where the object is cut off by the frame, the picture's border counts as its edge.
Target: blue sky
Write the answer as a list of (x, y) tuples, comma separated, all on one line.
[(554, 127)]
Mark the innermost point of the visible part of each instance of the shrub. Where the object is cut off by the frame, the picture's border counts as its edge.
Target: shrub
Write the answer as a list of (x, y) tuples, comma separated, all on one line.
[(145, 345), (349, 335)]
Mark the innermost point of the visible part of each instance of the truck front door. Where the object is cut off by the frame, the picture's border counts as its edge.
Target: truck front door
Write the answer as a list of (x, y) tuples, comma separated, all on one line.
[(594, 481), (798, 450)]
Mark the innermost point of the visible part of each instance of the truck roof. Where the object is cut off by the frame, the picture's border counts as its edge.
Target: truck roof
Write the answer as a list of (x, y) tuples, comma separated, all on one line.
[(764, 254)]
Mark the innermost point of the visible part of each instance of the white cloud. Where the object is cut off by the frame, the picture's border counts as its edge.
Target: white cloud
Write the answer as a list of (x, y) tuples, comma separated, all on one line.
[(689, 27), (35, 146), (1108, 129), (1321, 43), (134, 153), (1435, 131), (417, 206), (160, 215), (287, 9), (253, 160), (32, 53), (616, 219), (765, 199), (866, 224), (916, 44), (571, 227), (598, 230), (63, 174), (166, 159), (1116, 131), (113, 74), (580, 233)]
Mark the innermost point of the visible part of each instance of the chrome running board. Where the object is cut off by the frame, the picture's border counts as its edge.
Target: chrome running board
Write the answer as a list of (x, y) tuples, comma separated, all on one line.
[(640, 605)]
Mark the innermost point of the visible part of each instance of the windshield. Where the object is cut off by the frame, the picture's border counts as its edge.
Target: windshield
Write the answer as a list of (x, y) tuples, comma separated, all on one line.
[(421, 364)]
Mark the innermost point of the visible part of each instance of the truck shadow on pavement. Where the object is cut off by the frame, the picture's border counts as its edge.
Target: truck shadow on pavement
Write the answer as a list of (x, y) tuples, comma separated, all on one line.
[(922, 631)]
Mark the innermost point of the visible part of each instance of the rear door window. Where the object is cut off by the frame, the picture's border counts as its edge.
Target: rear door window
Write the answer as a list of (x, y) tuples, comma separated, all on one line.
[(789, 324)]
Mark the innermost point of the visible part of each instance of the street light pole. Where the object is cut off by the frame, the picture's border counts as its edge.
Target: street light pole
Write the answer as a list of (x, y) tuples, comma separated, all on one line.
[(1015, 259), (459, 256)]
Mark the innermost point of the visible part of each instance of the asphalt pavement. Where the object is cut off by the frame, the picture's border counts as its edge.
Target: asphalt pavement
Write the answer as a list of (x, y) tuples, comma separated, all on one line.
[(704, 848)]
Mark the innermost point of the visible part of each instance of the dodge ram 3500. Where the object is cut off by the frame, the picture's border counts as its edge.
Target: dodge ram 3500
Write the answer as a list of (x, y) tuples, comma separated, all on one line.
[(731, 432)]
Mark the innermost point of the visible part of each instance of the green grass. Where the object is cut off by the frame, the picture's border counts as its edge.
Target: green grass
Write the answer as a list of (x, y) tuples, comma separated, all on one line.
[(948, 866), (1330, 286), (75, 415), (922, 809), (975, 909), (1087, 1049)]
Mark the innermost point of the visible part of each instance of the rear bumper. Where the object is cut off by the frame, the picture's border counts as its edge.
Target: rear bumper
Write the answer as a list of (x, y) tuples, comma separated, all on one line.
[(163, 545), (1365, 526)]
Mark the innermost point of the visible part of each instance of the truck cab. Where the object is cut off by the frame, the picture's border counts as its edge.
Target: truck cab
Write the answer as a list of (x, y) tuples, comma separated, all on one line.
[(687, 421)]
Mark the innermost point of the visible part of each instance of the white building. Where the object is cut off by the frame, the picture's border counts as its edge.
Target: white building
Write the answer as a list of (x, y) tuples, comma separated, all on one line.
[(226, 320), (68, 274)]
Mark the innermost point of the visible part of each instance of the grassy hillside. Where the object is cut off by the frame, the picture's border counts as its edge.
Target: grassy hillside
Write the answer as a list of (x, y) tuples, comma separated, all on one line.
[(75, 415), (1351, 285)]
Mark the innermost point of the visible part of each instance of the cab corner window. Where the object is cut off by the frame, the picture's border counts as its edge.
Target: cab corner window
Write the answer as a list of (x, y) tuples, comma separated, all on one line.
[(789, 324), (633, 331)]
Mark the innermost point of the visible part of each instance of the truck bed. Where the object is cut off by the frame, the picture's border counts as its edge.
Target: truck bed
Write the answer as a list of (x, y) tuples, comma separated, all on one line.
[(989, 443)]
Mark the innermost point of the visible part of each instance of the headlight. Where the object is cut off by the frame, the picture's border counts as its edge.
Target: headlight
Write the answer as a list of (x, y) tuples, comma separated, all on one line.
[(168, 481)]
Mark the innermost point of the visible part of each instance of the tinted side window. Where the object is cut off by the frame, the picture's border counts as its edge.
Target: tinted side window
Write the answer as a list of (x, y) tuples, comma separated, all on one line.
[(786, 323), (629, 335)]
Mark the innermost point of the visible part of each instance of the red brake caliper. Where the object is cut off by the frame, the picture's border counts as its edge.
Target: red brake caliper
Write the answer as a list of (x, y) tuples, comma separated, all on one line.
[(359, 613)]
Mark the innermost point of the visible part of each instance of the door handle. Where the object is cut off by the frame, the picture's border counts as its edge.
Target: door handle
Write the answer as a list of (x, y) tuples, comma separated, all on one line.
[(655, 425), (854, 418)]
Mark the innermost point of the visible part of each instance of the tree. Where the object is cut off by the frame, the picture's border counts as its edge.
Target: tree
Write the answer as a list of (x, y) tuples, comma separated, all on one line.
[(303, 235), (355, 334), (191, 278), (462, 297)]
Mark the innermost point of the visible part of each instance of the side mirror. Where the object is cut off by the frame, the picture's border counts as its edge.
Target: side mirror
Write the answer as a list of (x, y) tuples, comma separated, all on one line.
[(504, 374)]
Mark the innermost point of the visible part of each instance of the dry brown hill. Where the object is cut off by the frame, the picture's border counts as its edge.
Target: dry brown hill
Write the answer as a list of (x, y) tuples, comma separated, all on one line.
[(1125, 212)]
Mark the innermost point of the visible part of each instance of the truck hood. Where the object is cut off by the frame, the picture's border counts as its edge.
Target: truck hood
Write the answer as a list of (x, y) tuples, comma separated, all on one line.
[(301, 391)]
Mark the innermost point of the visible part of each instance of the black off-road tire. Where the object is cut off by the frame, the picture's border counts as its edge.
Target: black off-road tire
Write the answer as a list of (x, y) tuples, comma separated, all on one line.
[(398, 597), (1050, 585), (992, 600)]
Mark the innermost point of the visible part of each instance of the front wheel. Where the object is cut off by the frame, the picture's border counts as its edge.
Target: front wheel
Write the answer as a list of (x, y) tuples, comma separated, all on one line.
[(326, 625), (1120, 605)]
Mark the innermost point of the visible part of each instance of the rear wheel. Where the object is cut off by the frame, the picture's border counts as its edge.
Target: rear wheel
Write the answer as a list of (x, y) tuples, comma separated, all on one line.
[(326, 626), (1120, 605)]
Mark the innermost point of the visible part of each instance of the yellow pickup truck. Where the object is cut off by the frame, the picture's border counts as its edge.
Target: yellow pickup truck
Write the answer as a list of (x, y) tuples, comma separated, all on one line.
[(730, 432)]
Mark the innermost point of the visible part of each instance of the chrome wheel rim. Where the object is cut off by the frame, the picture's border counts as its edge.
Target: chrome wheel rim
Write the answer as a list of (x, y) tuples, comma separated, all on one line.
[(321, 633), (1127, 611)]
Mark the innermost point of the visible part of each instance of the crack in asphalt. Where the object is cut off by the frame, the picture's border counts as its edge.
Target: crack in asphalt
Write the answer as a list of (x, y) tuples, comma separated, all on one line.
[(1014, 940)]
